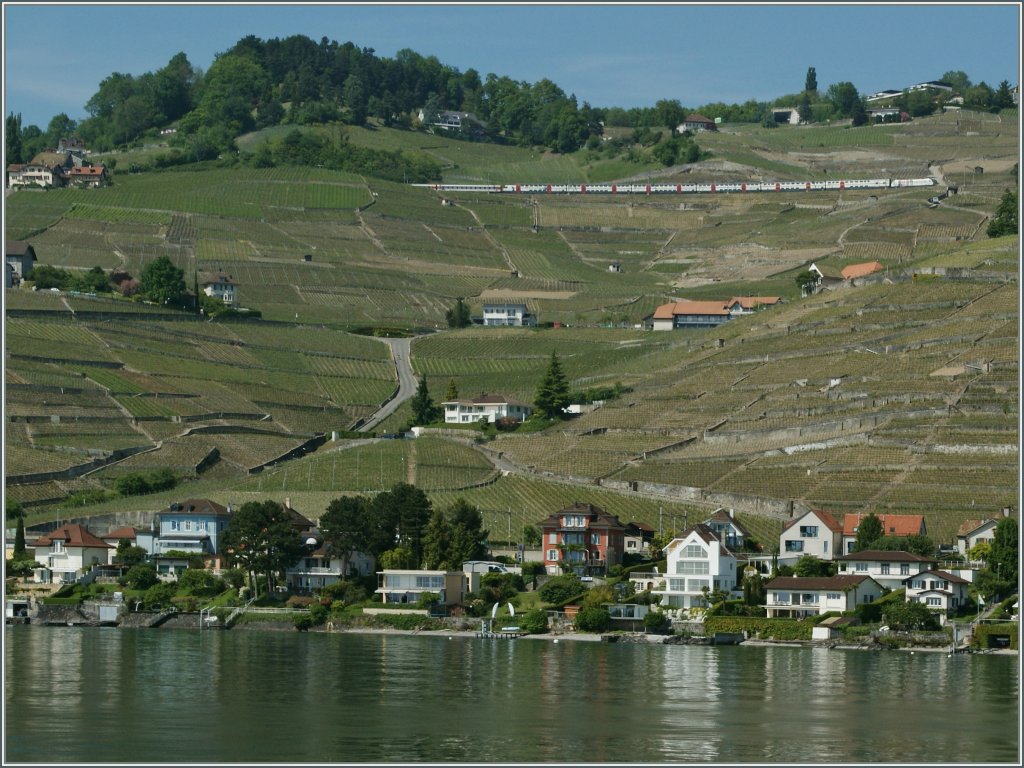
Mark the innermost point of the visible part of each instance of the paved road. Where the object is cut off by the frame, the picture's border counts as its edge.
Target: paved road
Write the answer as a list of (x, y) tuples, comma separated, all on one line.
[(407, 382)]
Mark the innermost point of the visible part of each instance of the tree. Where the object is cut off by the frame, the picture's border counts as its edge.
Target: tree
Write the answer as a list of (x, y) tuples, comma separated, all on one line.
[(1003, 556), (958, 79), (670, 113), (436, 538), (162, 282), (1005, 220), (858, 114), (399, 558), (907, 616), (535, 621), (593, 618), (753, 589), (345, 527), (140, 576), (533, 569), (1004, 97), (916, 543), (452, 393), (423, 409), (12, 138), (657, 622), (399, 519), (355, 98), (811, 81), (559, 589), (128, 554), (844, 97), (869, 530), (261, 539), (804, 108), (19, 539), (159, 595), (458, 316), (553, 393), (980, 551), (806, 281), (809, 566), (13, 508), (531, 535)]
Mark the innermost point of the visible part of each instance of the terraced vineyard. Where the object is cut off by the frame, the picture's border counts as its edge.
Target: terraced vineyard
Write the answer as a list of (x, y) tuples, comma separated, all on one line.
[(899, 394)]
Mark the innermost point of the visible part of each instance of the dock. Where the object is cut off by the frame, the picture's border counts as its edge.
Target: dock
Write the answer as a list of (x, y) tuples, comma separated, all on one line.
[(504, 633)]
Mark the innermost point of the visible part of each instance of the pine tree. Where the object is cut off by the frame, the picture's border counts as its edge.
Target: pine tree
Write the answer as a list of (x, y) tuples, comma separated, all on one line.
[(811, 82), (553, 393), (1005, 220), (869, 530), (423, 410), (19, 539), (452, 392)]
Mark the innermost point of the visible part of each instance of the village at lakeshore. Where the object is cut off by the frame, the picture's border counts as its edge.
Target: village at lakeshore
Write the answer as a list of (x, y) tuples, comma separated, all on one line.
[(705, 379)]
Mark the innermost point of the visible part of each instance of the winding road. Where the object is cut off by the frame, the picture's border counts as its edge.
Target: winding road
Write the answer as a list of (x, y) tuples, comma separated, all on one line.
[(407, 383)]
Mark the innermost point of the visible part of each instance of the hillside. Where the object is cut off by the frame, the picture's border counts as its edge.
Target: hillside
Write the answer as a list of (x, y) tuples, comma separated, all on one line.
[(899, 394)]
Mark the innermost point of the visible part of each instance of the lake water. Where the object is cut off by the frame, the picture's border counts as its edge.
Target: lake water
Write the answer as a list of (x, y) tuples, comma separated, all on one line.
[(106, 695)]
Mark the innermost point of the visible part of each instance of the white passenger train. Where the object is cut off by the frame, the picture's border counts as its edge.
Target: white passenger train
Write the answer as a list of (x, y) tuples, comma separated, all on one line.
[(661, 189)]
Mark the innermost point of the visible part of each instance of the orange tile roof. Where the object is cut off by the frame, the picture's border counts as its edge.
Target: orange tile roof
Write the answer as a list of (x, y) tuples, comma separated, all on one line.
[(749, 302), (73, 535), (892, 525), (860, 270)]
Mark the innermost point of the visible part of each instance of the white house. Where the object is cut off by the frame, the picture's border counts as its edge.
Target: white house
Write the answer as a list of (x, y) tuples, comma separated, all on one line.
[(889, 569), (728, 530), (322, 567), (68, 553), (220, 286), (406, 586), (485, 407), (813, 533), (973, 531), (941, 591), (509, 313), (796, 597), (696, 561)]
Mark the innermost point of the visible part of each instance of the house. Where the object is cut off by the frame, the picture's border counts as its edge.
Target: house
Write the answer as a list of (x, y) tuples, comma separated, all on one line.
[(889, 568), (452, 121), (827, 275), (584, 537), (697, 563), (728, 529), (488, 408), (637, 538), (690, 314), (323, 566), (88, 176), (20, 258), (853, 271), (892, 525), (797, 597), (406, 586), (789, 115), (972, 532), (696, 123), (813, 533), (219, 285), (508, 313), (72, 144), (941, 591), (116, 536), (46, 169), (883, 95), (68, 553), (193, 526), (932, 85)]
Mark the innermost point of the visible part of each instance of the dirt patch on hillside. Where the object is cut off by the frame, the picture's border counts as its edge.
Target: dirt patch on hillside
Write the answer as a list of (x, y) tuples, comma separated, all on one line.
[(498, 294), (744, 261)]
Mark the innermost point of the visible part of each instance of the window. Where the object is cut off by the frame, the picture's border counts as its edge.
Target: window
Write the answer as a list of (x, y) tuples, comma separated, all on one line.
[(552, 538), (174, 525), (808, 531), (862, 567), (430, 582), (552, 554), (826, 544), (677, 585), (691, 568), (809, 598), (188, 525), (834, 596), (58, 546), (794, 546), (885, 569), (917, 584), (694, 550), (595, 538), (934, 601), (904, 569)]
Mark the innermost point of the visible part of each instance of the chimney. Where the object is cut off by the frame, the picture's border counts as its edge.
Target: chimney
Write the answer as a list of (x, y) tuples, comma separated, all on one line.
[(287, 502), (732, 514)]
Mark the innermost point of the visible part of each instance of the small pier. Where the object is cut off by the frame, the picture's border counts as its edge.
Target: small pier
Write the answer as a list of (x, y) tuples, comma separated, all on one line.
[(502, 633)]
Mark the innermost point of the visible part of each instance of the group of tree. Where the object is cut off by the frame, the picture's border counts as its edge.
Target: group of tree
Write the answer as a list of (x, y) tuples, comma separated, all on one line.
[(871, 536), (458, 316), (400, 529), (21, 563), (1002, 562), (1004, 222)]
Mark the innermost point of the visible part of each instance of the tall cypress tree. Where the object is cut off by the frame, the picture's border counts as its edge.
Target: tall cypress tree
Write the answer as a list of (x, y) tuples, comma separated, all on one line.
[(423, 410), (553, 393)]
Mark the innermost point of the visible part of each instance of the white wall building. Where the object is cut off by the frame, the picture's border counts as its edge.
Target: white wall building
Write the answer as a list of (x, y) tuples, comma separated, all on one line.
[(813, 533), (508, 314), (696, 560), (796, 597), (485, 407)]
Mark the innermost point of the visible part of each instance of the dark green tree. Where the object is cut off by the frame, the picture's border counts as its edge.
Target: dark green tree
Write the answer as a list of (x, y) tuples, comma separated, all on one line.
[(809, 566), (19, 539), (753, 589), (12, 139), (806, 281), (844, 98), (670, 113), (128, 554), (14, 509), (905, 616), (1003, 558), (1005, 220), (260, 538), (553, 393), (458, 316), (558, 589), (1004, 96), (401, 515), (346, 525), (593, 618), (452, 393), (804, 108), (140, 576), (355, 98), (162, 282), (811, 81), (858, 114), (958, 79), (467, 533), (657, 622), (436, 538), (869, 530), (423, 409), (918, 544)]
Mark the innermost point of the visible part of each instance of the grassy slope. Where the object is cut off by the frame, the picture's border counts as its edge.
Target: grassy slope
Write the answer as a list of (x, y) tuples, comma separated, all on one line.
[(404, 259)]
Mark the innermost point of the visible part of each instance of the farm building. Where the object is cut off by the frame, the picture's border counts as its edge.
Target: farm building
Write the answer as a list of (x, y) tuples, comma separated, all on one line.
[(19, 256)]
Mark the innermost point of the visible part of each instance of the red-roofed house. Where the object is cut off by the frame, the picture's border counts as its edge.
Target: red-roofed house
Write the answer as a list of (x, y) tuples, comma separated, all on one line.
[(690, 314), (853, 271), (973, 531), (696, 122), (696, 561), (68, 553), (88, 176), (585, 537), (813, 533), (485, 407), (892, 525), (796, 597)]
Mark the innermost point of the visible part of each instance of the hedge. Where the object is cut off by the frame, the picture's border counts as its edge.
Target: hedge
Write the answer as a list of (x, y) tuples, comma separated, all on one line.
[(982, 632), (763, 628)]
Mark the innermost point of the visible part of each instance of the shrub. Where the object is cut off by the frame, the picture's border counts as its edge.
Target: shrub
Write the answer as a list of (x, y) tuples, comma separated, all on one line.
[(299, 601), (427, 599), (593, 618), (560, 589), (348, 592), (200, 582), (159, 595), (318, 614), (657, 622), (234, 577), (141, 576), (303, 622), (535, 621)]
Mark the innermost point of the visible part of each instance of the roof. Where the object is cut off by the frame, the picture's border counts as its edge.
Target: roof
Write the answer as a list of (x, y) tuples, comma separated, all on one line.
[(892, 525), (841, 583), (967, 527), (124, 532), (697, 118), (597, 516), (826, 519), (196, 507), (827, 270), (50, 159), (945, 575), (297, 519), (19, 248), (687, 307), (750, 302), (892, 556), (89, 170), (705, 534), (485, 399), (216, 278), (723, 516), (852, 271), (73, 535)]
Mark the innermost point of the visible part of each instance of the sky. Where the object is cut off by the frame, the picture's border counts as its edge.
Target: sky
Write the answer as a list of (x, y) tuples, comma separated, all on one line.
[(607, 54)]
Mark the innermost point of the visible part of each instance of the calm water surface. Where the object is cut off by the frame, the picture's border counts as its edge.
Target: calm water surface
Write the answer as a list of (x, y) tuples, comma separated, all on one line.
[(108, 695)]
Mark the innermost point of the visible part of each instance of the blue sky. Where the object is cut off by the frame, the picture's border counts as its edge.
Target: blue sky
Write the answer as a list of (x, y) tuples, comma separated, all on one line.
[(622, 54)]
